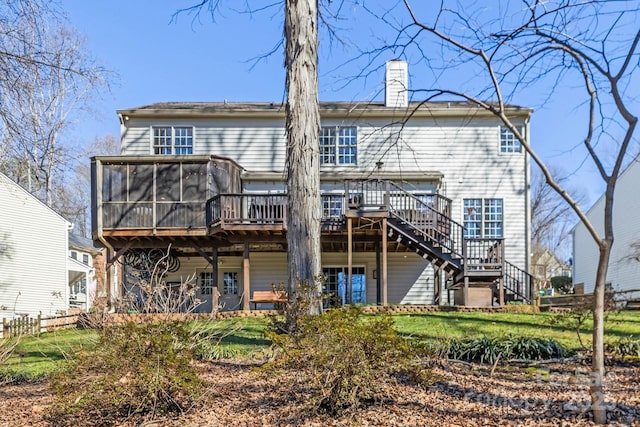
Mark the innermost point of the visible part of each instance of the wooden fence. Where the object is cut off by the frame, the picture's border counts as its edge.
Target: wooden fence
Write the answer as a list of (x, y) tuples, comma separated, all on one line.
[(21, 326), (35, 325), (627, 299)]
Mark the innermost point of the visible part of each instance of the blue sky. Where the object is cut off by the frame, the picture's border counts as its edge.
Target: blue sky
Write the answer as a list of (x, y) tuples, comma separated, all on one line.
[(200, 60)]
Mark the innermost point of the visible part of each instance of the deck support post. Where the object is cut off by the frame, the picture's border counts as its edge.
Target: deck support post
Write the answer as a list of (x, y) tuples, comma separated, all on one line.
[(349, 258), (215, 293), (378, 274), (384, 261), (437, 288), (465, 291), (246, 282), (501, 291)]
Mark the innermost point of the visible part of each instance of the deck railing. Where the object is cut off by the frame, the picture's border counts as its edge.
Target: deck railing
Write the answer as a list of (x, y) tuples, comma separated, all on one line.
[(157, 214), (484, 254), (246, 209), (380, 194), (518, 282)]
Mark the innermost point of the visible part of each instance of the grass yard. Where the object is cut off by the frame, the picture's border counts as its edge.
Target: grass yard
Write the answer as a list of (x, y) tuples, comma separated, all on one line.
[(561, 327), (35, 357)]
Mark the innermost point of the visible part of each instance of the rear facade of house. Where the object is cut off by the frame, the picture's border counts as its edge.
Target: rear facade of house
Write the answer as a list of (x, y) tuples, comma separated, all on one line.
[(422, 203)]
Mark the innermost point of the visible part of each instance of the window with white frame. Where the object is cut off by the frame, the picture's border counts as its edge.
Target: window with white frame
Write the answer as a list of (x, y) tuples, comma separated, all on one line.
[(85, 259), (331, 205), (230, 280), (206, 283), (338, 145), (508, 141), (172, 140), (483, 218)]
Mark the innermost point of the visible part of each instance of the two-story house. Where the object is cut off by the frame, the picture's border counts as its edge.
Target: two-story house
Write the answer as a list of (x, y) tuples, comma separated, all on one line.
[(422, 203)]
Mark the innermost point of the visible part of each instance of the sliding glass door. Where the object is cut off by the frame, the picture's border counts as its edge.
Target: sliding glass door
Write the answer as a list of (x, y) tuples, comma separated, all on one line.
[(335, 287)]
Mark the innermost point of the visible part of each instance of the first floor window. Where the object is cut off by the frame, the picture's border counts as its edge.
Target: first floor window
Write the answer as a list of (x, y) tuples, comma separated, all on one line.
[(331, 205), (79, 287), (483, 218), (172, 140), (206, 283), (230, 280)]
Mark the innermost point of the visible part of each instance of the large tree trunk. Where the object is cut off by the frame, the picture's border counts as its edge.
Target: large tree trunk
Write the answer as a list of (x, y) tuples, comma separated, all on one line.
[(596, 390), (303, 128)]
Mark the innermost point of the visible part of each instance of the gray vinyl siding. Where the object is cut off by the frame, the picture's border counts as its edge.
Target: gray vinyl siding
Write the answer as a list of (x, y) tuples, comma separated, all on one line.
[(33, 255), (410, 278), (466, 151), (624, 267)]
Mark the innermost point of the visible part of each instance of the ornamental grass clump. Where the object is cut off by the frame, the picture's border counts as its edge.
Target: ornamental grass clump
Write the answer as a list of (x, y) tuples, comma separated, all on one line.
[(491, 349), (344, 358)]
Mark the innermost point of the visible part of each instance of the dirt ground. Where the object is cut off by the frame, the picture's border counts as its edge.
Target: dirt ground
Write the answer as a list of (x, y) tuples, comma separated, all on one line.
[(461, 395)]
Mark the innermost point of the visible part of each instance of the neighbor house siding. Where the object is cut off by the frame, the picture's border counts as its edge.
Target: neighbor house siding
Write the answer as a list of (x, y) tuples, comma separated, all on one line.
[(33, 255), (624, 265)]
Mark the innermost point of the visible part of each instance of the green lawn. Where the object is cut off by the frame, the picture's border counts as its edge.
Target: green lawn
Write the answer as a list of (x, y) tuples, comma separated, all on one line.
[(561, 327), (36, 356)]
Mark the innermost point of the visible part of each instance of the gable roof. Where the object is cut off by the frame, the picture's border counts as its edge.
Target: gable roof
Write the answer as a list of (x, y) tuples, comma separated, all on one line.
[(327, 109), (635, 162), (8, 181), (82, 243)]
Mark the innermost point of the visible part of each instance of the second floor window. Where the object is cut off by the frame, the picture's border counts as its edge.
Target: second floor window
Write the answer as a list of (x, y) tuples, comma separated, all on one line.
[(508, 142), (483, 218), (172, 140), (331, 205), (338, 145)]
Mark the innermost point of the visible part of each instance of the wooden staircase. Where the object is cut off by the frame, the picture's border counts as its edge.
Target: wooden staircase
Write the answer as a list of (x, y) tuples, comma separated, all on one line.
[(425, 227)]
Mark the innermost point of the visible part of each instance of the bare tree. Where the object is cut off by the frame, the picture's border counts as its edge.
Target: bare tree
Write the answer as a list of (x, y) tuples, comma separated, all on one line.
[(537, 47), (551, 217), (45, 76), (303, 129)]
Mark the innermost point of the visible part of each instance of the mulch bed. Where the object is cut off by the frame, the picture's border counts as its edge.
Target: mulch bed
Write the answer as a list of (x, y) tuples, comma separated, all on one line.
[(460, 395)]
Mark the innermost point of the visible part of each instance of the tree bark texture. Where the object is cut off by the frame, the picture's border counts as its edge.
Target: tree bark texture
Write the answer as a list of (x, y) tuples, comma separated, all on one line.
[(303, 128)]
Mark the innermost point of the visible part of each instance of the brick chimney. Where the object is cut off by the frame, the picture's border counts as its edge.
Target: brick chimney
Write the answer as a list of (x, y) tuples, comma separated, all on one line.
[(396, 94)]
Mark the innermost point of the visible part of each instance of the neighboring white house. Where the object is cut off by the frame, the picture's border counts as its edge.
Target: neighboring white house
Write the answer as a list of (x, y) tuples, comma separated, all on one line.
[(33, 255), (420, 201), (624, 264), (82, 274)]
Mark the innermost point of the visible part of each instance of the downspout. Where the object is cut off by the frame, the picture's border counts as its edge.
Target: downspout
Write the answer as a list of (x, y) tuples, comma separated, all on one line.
[(527, 199)]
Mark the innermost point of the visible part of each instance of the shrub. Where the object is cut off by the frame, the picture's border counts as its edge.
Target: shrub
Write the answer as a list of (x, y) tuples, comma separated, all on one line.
[(625, 347), (134, 370), (488, 350), (562, 284), (345, 357)]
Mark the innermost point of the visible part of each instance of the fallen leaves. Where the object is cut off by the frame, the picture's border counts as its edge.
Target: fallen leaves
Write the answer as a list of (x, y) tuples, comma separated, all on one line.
[(556, 395)]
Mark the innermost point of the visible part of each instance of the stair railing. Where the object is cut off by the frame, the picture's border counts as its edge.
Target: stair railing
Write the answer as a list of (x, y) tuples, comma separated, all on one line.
[(518, 282)]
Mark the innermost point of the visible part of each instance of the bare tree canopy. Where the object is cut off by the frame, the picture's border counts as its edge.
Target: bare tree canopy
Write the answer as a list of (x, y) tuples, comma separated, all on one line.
[(491, 56), (551, 217), (45, 76)]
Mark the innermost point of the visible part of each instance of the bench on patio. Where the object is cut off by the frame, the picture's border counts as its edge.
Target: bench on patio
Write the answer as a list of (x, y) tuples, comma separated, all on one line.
[(268, 297)]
